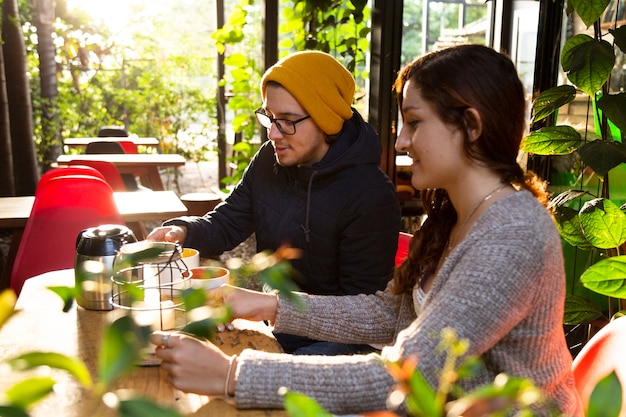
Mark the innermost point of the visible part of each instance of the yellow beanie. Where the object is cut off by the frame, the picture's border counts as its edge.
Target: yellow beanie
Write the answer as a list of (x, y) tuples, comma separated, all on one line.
[(322, 86)]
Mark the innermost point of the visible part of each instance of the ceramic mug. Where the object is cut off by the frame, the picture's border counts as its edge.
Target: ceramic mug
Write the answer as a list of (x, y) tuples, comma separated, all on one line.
[(190, 259)]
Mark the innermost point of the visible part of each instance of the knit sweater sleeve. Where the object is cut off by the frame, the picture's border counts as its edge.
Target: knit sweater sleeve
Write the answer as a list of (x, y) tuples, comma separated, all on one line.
[(341, 384), (357, 319)]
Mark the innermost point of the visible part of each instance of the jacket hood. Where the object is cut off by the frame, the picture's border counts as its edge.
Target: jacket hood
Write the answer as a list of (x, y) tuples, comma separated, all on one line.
[(357, 144)]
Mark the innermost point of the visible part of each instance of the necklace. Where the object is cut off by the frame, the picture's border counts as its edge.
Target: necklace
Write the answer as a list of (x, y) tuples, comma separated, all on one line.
[(453, 238)]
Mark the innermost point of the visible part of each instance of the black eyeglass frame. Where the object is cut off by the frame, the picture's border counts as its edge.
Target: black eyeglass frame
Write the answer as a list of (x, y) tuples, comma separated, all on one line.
[(264, 118)]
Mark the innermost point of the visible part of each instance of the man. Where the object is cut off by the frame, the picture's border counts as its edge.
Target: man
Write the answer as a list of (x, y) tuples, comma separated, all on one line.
[(315, 185)]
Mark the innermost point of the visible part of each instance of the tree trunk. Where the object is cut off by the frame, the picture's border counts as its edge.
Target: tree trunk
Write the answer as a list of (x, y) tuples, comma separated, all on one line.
[(25, 170), (7, 188), (50, 138)]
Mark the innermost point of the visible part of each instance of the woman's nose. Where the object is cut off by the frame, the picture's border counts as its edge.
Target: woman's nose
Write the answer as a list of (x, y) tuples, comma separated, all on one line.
[(402, 143)]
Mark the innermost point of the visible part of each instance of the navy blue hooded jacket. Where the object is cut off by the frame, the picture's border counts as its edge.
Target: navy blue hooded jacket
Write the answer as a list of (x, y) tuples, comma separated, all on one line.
[(342, 212)]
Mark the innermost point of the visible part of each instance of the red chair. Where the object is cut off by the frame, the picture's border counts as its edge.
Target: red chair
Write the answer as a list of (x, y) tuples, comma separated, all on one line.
[(108, 170), (63, 207), (68, 170), (129, 146), (602, 354), (403, 247), (116, 147)]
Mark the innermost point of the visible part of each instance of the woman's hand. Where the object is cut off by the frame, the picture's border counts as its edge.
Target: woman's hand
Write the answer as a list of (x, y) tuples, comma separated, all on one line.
[(168, 234), (192, 365), (248, 304)]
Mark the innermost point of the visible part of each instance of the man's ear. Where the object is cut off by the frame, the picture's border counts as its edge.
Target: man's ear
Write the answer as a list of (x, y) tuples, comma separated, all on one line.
[(474, 123)]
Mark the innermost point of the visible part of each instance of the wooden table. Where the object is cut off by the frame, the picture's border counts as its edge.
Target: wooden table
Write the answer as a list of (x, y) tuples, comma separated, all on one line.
[(136, 207), (81, 142), (144, 164), (42, 326)]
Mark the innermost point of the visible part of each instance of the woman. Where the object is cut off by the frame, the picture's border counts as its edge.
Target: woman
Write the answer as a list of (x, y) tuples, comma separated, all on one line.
[(487, 262)]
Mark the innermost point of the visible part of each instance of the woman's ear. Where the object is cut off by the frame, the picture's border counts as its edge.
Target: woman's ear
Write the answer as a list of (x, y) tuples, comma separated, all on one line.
[(474, 123)]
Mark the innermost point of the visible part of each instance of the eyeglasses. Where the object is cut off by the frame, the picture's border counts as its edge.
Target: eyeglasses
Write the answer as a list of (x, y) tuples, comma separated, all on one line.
[(286, 127)]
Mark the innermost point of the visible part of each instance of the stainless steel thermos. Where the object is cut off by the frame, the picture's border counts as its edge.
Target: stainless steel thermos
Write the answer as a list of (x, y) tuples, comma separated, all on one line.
[(96, 248)]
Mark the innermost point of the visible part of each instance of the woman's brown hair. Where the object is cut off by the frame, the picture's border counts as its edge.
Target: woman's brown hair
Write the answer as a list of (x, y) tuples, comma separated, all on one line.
[(453, 80)]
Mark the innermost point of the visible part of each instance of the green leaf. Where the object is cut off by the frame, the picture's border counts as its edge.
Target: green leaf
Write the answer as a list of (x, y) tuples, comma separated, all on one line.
[(422, 399), (143, 407), (203, 321), (587, 62), (27, 392), (194, 298), (552, 140), (121, 349), (73, 366), (619, 36), (67, 294), (607, 277), (299, 405), (606, 397), (548, 101), (589, 11), (580, 310), (496, 399), (278, 277), (568, 224), (603, 223), (602, 155), (7, 305), (236, 60), (612, 106), (143, 254), (10, 411)]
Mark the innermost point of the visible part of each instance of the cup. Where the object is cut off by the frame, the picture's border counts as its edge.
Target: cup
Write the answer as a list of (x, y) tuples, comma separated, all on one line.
[(190, 258), (209, 277)]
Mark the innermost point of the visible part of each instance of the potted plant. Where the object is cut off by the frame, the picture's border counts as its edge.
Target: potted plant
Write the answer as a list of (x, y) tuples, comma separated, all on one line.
[(588, 219)]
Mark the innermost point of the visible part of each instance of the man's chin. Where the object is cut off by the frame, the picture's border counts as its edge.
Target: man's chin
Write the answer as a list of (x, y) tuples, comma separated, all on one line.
[(285, 162)]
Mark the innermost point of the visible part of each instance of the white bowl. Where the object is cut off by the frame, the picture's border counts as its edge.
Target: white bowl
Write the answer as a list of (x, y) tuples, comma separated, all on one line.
[(209, 277)]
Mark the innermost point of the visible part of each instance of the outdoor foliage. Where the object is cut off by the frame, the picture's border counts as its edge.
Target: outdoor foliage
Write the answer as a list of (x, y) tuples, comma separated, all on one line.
[(586, 216), (100, 82), (337, 27)]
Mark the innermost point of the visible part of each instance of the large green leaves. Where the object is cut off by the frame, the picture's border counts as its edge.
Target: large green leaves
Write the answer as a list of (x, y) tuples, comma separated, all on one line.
[(143, 407), (606, 397), (12, 411), (607, 277), (587, 62), (619, 35), (300, 405), (121, 349), (29, 391), (553, 140), (589, 11), (580, 310), (603, 155), (603, 223), (568, 223), (548, 101), (73, 366), (613, 105)]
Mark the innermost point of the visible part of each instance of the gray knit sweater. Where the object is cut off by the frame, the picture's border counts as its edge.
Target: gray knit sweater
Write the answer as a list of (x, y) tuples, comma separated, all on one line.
[(502, 288)]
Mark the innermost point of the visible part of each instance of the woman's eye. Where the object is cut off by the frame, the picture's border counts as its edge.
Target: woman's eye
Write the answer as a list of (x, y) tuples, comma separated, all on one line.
[(413, 123)]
